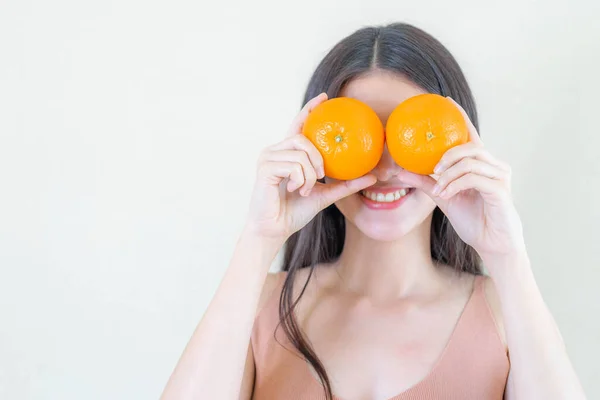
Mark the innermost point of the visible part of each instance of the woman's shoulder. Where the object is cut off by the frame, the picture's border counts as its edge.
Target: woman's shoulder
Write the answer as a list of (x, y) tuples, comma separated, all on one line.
[(493, 301), (271, 287), (274, 283), (467, 283)]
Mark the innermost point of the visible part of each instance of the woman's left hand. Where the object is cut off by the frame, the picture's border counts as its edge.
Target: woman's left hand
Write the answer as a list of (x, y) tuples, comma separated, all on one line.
[(473, 191)]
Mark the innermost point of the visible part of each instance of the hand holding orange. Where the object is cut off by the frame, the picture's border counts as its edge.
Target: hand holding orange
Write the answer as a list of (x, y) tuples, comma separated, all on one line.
[(350, 136), (421, 129)]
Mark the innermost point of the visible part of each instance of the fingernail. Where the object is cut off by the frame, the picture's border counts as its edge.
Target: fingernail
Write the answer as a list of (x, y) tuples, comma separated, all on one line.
[(444, 193), (435, 190), (438, 169), (321, 173)]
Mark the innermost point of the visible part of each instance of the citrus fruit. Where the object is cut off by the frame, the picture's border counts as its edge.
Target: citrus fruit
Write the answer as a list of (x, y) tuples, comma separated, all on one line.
[(421, 129), (348, 134)]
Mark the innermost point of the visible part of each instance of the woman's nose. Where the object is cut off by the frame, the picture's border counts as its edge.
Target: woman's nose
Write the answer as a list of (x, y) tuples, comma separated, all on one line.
[(387, 168)]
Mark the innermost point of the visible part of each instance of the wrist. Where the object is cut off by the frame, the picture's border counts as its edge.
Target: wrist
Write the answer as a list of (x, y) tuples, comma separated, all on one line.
[(265, 245), (507, 267)]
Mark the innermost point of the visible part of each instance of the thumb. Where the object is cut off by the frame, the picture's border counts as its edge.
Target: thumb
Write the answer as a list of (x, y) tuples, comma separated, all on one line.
[(424, 183), (330, 193)]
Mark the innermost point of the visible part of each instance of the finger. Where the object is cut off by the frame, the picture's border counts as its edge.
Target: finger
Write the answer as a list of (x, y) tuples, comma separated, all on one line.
[(301, 142), (483, 185), (299, 157), (274, 172), (422, 182), (298, 121), (464, 167), (467, 150), (473, 134), (332, 192)]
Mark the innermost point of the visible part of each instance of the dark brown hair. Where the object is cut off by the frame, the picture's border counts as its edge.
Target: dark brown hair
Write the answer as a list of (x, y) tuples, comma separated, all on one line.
[(407, 51)]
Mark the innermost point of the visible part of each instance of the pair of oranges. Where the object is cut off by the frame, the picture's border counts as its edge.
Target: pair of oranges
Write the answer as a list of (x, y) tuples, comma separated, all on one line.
[(350, 136)]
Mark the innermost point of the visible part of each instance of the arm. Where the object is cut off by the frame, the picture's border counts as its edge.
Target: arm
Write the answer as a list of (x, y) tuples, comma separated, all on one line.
[(540, 366), (217, 362), (218, 356), (473, 190)]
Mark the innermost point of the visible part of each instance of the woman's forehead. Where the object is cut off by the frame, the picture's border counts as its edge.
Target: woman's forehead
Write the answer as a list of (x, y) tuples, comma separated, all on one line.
[(381, 90)]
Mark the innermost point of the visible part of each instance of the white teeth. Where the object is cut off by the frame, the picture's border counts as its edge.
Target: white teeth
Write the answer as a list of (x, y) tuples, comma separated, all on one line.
[(385, 197)]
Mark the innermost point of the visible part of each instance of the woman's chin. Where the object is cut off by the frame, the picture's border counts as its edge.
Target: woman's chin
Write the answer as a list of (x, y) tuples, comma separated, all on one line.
[(380, 231), (387, 225)]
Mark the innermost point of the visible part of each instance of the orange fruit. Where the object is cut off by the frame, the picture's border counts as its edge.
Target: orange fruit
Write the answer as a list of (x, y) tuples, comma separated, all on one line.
[(421, 129), (348, 134)]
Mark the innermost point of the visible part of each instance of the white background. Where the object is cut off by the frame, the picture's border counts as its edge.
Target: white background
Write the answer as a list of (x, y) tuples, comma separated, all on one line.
[(128, 137)]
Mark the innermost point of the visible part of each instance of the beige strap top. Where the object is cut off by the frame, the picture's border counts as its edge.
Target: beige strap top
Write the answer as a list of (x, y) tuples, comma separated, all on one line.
[(473, 366)]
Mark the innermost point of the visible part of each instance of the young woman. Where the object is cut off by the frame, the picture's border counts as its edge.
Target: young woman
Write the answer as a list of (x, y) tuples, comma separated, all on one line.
[(379, 302)]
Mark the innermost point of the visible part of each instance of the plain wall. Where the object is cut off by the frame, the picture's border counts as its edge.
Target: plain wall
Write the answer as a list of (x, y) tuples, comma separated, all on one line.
[(129, 132)]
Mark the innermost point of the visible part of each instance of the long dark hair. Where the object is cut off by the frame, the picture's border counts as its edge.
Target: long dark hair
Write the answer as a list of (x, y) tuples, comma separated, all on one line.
[(408, 51)]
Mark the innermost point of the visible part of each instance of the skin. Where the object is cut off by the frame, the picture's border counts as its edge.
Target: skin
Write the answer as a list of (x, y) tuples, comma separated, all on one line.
[(370, 306)]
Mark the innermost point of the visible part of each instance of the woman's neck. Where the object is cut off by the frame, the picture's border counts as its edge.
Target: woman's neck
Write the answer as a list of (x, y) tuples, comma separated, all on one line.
[(388, 270)]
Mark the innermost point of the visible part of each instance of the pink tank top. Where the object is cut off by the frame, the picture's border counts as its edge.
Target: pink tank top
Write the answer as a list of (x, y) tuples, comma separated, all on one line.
[(473, 366)]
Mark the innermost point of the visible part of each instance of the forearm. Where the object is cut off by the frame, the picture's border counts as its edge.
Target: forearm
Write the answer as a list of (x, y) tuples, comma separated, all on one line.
[(212, 364), (540, 366)]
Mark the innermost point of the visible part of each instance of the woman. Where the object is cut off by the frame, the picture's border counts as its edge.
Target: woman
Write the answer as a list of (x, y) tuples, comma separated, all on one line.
[(379, 303)]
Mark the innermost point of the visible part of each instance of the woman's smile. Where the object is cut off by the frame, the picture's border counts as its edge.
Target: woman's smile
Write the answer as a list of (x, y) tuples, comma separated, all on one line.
[(385, 198)]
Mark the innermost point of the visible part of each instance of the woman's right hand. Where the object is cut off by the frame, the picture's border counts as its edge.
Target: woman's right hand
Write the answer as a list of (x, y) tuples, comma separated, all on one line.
[(286, 193)]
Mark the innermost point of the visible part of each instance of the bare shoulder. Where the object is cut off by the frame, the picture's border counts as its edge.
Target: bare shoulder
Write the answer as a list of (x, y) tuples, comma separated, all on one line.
[(464, 282), (274, 283), (271, 285), (493, 300)]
